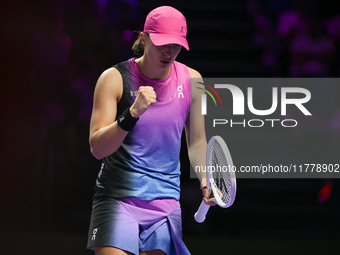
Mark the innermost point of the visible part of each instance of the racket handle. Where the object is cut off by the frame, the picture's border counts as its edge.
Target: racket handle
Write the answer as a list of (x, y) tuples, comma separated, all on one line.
[(201, 212)]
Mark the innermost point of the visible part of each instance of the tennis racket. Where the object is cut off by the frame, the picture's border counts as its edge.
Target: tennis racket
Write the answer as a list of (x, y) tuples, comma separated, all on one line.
[(220, 177)]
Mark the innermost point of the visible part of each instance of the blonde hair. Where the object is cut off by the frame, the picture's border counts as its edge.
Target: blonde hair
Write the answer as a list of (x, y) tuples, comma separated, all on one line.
[(138, 46)]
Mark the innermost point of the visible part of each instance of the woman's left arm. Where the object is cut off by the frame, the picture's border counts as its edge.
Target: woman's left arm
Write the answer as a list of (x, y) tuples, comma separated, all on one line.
[(195, 133)]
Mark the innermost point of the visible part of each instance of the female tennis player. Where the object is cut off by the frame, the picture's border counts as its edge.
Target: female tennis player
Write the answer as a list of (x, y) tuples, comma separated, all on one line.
[(141, 107)]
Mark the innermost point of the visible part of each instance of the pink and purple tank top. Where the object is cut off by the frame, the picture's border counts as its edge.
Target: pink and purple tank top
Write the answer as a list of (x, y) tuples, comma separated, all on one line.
[(147, 164)]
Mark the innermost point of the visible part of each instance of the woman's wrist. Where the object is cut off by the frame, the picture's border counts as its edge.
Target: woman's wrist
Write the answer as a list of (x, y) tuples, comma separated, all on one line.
[(126, 121)]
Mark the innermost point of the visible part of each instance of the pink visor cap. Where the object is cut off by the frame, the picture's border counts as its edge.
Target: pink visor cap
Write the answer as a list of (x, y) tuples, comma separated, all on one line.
[(166, 25)]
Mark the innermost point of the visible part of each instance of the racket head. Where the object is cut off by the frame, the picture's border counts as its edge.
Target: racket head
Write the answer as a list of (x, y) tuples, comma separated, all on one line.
[(220, 172)]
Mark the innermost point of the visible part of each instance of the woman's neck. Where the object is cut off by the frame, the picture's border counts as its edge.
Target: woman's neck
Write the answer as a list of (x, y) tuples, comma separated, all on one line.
[(149, 71)]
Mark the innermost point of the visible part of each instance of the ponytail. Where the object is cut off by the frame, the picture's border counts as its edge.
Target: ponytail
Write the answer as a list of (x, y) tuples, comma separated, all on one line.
[(138, 46)]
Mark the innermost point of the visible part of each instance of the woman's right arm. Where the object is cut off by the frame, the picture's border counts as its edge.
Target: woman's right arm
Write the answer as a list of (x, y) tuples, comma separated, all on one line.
[(105, 134)]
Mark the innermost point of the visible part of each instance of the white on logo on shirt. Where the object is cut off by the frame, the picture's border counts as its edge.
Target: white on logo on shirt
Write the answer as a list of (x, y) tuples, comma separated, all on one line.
[(180, 93)]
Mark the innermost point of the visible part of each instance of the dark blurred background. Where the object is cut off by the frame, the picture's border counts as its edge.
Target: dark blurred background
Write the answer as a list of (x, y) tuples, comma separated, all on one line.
[(52, 53)]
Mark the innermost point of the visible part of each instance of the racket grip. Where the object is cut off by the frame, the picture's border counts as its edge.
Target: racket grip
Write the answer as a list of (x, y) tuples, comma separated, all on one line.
[(201, 212)]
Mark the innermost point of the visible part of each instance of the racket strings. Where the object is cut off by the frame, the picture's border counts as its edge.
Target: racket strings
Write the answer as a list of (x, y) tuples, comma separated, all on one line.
[(221, 172)]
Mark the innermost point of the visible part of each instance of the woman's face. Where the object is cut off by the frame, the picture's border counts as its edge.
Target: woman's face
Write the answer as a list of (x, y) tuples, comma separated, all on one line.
[(160, 56)]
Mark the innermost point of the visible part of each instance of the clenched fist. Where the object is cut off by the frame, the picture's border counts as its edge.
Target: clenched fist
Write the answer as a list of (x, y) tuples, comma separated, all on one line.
[(146, 96)]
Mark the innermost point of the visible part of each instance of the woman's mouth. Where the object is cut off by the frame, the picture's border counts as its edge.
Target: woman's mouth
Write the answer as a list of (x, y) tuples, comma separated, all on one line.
[(165, 62)]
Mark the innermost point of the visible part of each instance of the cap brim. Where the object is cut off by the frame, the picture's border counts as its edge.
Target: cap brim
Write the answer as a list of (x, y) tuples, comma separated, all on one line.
[(163, 39)]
